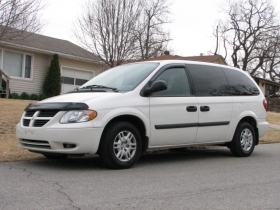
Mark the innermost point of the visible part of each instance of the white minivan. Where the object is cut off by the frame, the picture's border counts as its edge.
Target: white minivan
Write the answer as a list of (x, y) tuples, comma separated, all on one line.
[(128, 109)]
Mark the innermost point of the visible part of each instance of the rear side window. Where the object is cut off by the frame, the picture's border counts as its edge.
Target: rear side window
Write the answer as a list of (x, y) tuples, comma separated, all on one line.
[(239, 84), (208, 80)]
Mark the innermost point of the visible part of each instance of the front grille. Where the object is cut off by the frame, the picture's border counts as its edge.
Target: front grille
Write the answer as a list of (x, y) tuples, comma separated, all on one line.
[(40, 123), (26, 122), (29, 113), (48, 113), (34, 143), (38, 118)]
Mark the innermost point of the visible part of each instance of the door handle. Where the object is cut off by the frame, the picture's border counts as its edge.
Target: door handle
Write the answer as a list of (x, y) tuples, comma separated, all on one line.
[(205, 108), (191, 108)]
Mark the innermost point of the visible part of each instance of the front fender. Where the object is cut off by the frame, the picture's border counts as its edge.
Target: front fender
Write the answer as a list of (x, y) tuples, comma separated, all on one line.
[(141, 114)]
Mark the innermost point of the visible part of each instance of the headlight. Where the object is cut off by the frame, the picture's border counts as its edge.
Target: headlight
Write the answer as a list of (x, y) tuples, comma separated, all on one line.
[(78, 116)]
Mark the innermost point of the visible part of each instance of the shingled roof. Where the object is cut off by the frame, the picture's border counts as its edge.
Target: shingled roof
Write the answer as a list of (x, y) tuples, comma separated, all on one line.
[(202, 58), (36, 42), (165, 57)]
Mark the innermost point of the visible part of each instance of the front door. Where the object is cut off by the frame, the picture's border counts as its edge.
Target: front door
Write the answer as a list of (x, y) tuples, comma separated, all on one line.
[(173, 112)]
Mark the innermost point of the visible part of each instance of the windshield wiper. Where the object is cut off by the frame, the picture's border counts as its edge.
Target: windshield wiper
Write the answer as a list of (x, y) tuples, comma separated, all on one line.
[(100, 86)]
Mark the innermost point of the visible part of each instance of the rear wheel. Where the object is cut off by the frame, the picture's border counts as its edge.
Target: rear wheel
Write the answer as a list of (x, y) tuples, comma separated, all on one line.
[(120, 146), (243, 142)]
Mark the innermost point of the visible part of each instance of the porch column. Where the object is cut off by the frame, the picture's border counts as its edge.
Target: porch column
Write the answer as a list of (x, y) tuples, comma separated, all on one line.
[(7, 88), (0, 80)]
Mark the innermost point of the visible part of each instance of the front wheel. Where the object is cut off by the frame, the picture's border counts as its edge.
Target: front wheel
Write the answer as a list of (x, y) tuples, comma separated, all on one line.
[(243, 142), (120, 146)]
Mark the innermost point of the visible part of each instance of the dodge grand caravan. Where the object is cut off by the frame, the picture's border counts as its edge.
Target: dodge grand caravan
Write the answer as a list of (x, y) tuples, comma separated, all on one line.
[(128, 109)]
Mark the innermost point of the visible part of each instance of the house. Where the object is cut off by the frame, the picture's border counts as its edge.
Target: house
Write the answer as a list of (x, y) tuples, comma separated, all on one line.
[(202, 58), (24, 63), (268, 87), (218, 59)]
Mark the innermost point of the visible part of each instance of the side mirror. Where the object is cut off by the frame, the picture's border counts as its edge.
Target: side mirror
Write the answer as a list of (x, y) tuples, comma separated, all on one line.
[(155, 87)]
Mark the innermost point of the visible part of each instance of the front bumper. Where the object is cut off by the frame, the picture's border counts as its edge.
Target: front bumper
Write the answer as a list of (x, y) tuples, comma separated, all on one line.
[(62, 140)]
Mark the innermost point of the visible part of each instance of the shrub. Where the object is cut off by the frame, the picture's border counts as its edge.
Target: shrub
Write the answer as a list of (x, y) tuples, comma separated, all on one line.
[(42, 97), (24, 96), (34, 97), (52, 83), (14, 96)]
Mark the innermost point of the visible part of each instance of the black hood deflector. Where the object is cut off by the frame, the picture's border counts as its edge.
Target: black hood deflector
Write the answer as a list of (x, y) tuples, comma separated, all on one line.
[(60, 106)]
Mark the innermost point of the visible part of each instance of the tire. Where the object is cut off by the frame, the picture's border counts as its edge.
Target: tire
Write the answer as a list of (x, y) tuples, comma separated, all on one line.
[(120, 146), (55, 156), (244, 140)]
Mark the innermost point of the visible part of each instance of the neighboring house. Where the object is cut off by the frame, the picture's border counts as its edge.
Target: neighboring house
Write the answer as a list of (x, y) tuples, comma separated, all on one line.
[(218, 59), (268, 87), (25, 62), (203, 58)]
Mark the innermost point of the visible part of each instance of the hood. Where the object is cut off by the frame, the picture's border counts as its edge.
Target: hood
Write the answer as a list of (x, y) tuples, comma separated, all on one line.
[(79, 97)]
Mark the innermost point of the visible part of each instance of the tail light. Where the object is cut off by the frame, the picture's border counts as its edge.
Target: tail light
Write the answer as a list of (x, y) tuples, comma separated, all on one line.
[(265, 104)]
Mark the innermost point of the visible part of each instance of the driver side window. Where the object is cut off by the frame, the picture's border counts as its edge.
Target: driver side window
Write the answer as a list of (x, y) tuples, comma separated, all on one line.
[(177, 83)]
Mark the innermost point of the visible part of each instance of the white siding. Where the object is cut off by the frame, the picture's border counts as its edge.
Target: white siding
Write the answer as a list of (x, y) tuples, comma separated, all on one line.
[(41, 63), (262, 86), (35, 85), (40, 66), (77, 64)]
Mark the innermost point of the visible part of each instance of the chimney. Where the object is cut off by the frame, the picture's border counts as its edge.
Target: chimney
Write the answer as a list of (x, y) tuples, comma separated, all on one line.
[(166, 52), (201, 54)]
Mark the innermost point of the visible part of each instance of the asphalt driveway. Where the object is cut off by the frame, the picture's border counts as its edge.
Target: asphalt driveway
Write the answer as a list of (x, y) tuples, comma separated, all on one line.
[(194, 179)]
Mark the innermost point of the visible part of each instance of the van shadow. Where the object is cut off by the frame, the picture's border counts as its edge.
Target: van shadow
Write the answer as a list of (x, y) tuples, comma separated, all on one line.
[(187, 155), (93, 162), (88, 162)]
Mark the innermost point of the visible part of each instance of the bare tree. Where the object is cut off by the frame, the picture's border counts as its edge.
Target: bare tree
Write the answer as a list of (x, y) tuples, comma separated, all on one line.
[(271, 65), (151, 34), (21, 15), (246, 31), (106, 28), (122, 30)]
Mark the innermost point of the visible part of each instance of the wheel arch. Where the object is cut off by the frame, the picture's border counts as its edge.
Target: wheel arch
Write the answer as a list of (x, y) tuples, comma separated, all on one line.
[(252, 121), (134, 120)]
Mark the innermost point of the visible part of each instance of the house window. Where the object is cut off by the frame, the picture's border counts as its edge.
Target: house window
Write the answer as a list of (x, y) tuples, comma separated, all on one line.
[(27, 73), (17, 64), (67, 80), (80, 82), (73, 81), (271, 89)]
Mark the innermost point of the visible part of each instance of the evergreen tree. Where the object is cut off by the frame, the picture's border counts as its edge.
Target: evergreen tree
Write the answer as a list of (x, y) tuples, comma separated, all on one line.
[(52, 84)]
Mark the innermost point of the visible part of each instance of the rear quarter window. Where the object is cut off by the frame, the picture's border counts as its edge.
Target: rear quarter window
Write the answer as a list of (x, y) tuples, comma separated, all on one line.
[(239, 83)]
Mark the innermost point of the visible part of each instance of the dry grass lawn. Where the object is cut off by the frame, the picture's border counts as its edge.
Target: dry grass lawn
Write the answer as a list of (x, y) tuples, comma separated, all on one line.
[(10, 114), (272, 136)]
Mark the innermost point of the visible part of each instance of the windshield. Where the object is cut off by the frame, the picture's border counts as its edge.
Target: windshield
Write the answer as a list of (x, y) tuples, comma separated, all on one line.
[(124, 77)]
